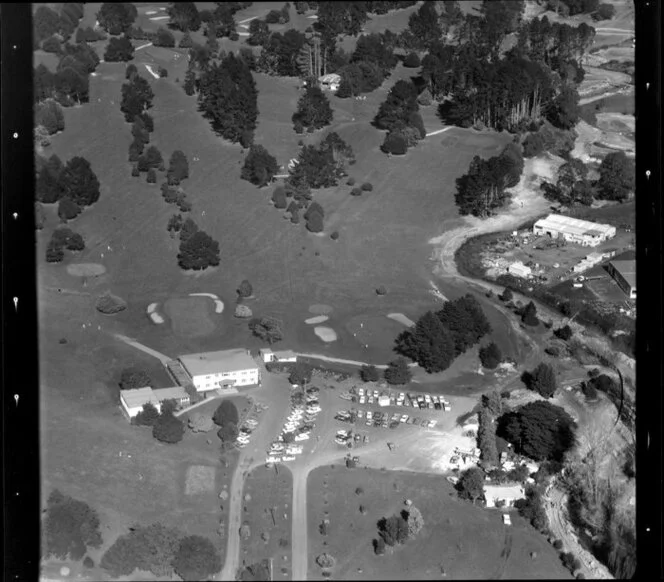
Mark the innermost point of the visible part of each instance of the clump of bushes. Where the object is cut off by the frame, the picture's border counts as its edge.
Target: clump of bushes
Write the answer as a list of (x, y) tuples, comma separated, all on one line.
[(395, 144), (356, 192), (334, 235), (367, 187), (108, 304), (351, 181), (381, 290), (411, 61)]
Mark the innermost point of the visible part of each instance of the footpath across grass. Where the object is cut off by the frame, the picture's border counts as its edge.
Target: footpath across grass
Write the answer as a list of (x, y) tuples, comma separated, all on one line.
[(464, 540)]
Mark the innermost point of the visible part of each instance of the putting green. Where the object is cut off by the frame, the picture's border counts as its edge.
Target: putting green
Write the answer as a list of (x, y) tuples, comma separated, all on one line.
[(190, 316)]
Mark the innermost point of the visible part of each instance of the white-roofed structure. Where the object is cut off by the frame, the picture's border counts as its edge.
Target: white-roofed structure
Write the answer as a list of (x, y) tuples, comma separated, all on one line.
[(212, 370), (278, 356), (177, 393), (330, 81), (518, 269), (133, 400), (574, 230), (505, 493)]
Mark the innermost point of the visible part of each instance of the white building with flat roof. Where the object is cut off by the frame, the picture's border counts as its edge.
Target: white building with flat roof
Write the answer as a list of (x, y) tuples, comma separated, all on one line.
[(518, 269), (573, 230), (278, 356), (212, 370), (503, 493), (133, 400)]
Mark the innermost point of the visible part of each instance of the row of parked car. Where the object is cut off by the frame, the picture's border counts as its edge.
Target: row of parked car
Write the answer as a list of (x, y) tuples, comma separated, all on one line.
[(388, 398), (299, 424), (378, 418)]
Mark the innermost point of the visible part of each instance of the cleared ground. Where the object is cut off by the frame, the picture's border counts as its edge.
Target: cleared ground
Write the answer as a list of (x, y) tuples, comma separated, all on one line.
[(466, 541)]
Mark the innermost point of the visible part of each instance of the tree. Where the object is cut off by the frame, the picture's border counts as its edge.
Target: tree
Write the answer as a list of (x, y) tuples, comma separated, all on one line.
[(379, 546), (184, 16), (564, 333), (131, 71), (198, 251), (486, 439), (492, 401), (369, 373), (259, 32), (168, 428), (196, 558), (40, 216), (604, 12), (564, 110), (538, 430), (51, 45), (226, 413), (267, 328), (54, 253), (315, 222), (80, 182), (412, 61), (119, 50), (116, 18), (466, 321), (506, 295), (429, 343), (46, 22), (245, 289), (393, 530), (178, 167), (300, 374), (189, 227), (228, 434), (542, 380), (136, 98), (71, 86), (398, 372), (424, 25), (394, 144), (228, 98), (164, 38), (279, 197), (414, 520), (68, 209), (200, 423), (529, 315), (490, 356), (70, 527), (152, 176), (148, 416), (313, 109), (471, 484), (49, 114), (259, 166), (400, 102), (616, 177)]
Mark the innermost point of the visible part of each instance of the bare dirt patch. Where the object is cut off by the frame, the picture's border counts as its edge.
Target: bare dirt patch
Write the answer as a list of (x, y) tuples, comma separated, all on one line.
[(200, 479), (86, 269)]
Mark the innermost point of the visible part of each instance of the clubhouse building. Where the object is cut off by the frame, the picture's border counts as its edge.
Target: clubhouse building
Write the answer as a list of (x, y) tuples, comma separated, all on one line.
[(132, 401), (210, 371)]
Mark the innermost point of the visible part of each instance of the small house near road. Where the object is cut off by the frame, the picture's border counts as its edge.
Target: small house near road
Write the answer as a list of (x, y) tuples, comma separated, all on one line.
[(574, 230), (624, 273), (330, 81), (279, 356), (210, 371), (132, 401), (503, 493)]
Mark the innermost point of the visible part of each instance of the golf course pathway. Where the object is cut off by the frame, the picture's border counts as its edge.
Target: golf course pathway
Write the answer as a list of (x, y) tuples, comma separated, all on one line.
[(139, 346), (342, 361)]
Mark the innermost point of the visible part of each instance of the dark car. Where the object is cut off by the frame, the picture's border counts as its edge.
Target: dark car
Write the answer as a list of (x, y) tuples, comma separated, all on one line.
[(437, 405)]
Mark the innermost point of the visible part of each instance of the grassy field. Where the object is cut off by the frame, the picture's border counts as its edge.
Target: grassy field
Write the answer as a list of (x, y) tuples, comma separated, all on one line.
[(270, 495), (467, 541)]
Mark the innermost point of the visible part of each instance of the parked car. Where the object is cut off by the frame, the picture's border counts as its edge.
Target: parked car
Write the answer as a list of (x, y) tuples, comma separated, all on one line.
[(394, 424), (506, 519), (360, 414), (371, 400), (369, 414), (288, 458), (437, 405), (363, 400), (404, 418), (432, 423)]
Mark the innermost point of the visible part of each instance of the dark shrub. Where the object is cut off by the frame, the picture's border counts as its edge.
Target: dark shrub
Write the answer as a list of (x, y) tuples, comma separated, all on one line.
[(411, 61), (356, 191), (558, 544), (88, 562), (152, 176), (367, 187), (381, 290), (351, 181), (533, 145), (68, 209), (395, 144), (334, 235)]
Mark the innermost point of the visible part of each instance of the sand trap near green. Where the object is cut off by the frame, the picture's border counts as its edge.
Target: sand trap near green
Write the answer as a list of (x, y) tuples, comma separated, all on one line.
[(154, 316), (86, 269), (401, 318), (317, 319), (190, 316), (218, 303), (320, 309), (327, 334)]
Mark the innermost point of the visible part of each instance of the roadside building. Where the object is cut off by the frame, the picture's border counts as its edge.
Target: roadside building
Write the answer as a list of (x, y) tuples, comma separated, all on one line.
[(574, 230), (279, 356), (210, 371), (384, 400), (506, 494), (132, 401), (518, 269), (624, 273)]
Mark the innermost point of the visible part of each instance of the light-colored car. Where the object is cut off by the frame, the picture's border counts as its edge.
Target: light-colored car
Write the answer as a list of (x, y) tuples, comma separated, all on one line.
[(506, 519), (371, 399), (369, 423), (427, 398), (360, 414), (432, 423), (402, 395), (375, 394), (273, 460), (363, 400), (369, 414), (404, 418), (288, 458), (361, 391)]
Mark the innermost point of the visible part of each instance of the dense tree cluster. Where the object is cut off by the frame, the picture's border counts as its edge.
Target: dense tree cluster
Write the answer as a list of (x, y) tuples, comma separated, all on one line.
[(279, 16), (369, 373), (259, 167), (133, 378), (314, 216), (532, 507), (438, 338), (486, 439), (616, 177), (482, 189), (196, 558), (490, 356), (393, 530), (335, 18), (471, 484), (184, 16), (538, 430), (70, 527), (117, 17), (164, 37), (137, 97), (168, 428), (178, 168), (198, 250), (267, 328), (61, 239), (119, 50), (572, 186), (280, 53), (313, 110), (228, 98), (542, 380), (49, 115), (399, 115), (48, 22), (398, 372), (370, 64)]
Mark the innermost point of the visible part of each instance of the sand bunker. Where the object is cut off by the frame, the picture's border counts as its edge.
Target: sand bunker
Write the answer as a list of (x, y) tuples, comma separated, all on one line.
[(86, 269), (320, 309), (327, 334), (218, 303), (149, 68), (152, 307), (401, 318), (151, 12), (160, 18), (317, 319), (156, 318)]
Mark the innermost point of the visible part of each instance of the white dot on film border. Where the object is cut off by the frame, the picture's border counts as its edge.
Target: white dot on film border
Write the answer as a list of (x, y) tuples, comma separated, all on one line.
[(15, 135)]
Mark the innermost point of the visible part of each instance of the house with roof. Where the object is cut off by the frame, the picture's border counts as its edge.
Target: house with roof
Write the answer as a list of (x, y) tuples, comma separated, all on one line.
[(574, 230), (132, 401), (277, 356), (504, 495), (624, 273), (331, 81), (210, 371), (518, 269)]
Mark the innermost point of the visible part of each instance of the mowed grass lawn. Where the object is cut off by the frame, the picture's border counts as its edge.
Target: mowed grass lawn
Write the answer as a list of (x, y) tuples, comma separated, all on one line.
[(468, 542), (270, 493)]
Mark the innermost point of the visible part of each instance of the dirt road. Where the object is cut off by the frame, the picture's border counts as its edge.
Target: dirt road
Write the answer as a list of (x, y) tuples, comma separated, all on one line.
[(562, 530)]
